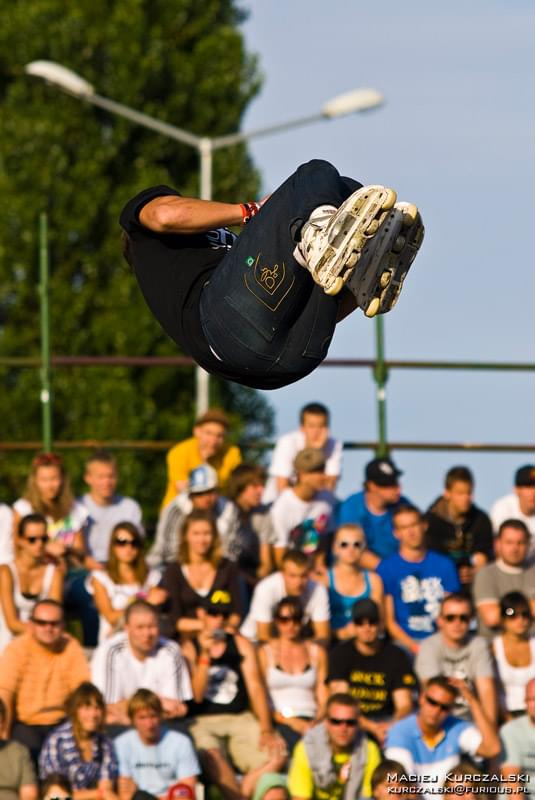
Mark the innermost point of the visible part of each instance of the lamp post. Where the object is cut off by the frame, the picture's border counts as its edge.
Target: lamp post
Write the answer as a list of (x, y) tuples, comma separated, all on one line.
[(68, 81)]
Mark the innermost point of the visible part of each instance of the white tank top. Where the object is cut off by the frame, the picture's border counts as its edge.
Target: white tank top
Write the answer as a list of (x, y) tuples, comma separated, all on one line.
[(23, 603), (292, 695), (514, 679)]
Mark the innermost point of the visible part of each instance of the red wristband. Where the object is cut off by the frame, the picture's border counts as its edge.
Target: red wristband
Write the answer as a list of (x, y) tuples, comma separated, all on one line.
[(248, 210)]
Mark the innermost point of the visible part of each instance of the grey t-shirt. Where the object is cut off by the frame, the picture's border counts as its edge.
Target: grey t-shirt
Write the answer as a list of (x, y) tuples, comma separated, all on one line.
[(494, 580), (102, 519), (16, 769), (518, 749), (468, 662)]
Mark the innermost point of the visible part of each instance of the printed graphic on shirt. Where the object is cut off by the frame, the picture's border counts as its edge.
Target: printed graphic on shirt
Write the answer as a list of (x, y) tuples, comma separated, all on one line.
[(222, 684), (221, 238), (335, 791), (423, 600), (306, 535)]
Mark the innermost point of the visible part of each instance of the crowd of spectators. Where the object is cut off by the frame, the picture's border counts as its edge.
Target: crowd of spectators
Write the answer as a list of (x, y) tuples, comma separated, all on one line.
[(271, 640)]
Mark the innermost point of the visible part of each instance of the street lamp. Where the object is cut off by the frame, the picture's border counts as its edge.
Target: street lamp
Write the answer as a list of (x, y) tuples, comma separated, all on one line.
[(68, 81)]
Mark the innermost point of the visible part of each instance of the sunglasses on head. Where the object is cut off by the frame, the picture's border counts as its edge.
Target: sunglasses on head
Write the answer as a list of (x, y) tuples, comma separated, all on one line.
[(34, 539), (124, 542), (454, 617), (355, 545), (351, 723), (437, 704), (517, 612)]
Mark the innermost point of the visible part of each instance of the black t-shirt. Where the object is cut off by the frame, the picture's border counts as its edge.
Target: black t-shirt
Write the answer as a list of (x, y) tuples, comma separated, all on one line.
[(171, 270), (225, 692), (372, 679)]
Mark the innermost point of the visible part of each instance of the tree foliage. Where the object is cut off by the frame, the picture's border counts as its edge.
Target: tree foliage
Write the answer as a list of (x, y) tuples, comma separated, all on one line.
[(183, 62)]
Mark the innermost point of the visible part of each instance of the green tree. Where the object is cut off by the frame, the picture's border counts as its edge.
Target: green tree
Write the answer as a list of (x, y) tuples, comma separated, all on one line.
[(181, 61)]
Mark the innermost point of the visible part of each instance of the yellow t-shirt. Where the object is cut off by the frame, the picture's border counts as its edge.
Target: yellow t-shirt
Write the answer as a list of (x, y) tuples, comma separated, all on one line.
[(301, 778), (185, 456)]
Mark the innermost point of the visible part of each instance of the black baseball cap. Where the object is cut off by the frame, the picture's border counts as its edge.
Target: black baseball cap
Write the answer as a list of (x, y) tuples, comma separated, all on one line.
[(525, 476), (365, 609), (219, 600), (383, 472)]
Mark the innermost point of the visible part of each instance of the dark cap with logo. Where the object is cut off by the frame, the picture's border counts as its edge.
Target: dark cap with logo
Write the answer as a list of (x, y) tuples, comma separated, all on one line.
[(311, 459), (365, 609), (383, 472), (525, 476), (219, 600)]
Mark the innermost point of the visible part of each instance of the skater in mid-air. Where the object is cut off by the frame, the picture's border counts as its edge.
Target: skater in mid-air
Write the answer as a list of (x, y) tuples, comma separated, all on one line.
[(260, 308)]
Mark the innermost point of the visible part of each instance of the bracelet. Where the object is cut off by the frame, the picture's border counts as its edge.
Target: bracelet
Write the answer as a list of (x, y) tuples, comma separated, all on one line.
[(248, 210), (203, 660)]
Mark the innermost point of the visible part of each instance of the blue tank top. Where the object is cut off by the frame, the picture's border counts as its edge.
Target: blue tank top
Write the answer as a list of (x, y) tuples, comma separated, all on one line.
[(341, 604)]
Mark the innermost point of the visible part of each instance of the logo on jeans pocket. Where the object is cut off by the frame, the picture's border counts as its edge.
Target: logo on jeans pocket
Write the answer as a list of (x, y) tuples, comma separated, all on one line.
[(269, 277)]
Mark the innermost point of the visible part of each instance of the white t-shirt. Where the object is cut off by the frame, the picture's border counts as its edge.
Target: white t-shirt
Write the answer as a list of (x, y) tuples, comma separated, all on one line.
[(508, 507), (119, 674), (284, 453), (270, 590), (155, 768), (100, 521), (120, 595), (62, 529), (289, 512), (6, 534)]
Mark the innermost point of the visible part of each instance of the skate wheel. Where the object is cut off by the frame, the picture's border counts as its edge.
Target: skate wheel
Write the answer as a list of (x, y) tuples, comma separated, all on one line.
[(373, 307), (410, 212), (399, 244), (372, 228), (352, 259), (389, 200), (385, 279), (336, 287)]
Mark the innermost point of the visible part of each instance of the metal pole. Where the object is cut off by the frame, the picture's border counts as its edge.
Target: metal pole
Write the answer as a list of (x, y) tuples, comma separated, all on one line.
[(46, 398), (202, 378), (380, 376)]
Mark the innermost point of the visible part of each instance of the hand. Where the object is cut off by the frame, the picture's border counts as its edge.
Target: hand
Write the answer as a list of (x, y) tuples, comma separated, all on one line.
[(156, 596), (264, 200), (269, 740), (56, 548), (173, 708), (206, 640), (462, 687)]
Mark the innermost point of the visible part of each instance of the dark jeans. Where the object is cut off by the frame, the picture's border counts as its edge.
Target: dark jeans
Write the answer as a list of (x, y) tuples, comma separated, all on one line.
[(81, 606), (33, 736), (261, 311)]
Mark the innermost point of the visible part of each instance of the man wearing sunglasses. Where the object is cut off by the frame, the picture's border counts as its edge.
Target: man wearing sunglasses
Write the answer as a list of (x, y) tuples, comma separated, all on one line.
[(335, 759), (376, 672), (431, 742), (38, 671), (453, 652)]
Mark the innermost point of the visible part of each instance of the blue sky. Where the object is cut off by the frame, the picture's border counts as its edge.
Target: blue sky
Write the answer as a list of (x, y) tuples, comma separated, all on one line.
[(456, 136)]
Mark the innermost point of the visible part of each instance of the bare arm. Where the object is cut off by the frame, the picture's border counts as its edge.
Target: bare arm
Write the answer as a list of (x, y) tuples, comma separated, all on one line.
[(171, 214), (117, 714), (322, 631), (28, 792), (369, 560), (56, 587), (266, 561), (263, 630), (490, 742), (322, 692), (127, 787), (282, 483), (9, 608), (103, 603), (402, 701), (396, 631), (489, 611), (488, 697), (254, 684)]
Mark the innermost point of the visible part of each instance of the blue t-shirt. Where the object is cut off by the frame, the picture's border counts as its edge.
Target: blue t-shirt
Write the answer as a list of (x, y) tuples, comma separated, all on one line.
[(417, 587), (154, 768), (378, 528)]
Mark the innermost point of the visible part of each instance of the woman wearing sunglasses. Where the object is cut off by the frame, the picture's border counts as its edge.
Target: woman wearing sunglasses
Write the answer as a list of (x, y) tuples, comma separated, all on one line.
[(125, 578), (346, 582), (295, 671), (514, 653), (27, 578)]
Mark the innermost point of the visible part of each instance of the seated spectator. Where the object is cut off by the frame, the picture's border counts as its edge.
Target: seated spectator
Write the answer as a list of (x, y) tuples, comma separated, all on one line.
[(346, 582), (125, 578), (415, 581), (313, 432), (520, 504), (509, 573), (372, 510), (383, 781), (153, 759), (17, 775), (272, 786), (431, 742), (56, 787), (377, 673), (246, 526), (453, 652), (104, 506), (207, 445), (518, 744), (199, 571), (48, 492), (201, 494), (514, 652), (140, 658), (78, 750), (6, 534), (302, 513), (458, 528), (293, 580), (335, 758), (294, 672), (467, 777), (226, 683), (27, 578), (38, 671)]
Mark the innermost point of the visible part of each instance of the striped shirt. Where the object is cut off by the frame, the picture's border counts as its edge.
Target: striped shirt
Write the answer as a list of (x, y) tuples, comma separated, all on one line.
[(60, 754)]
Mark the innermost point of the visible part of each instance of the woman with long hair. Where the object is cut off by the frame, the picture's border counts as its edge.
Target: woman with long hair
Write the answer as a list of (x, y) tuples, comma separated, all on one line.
[(78, 749), (199, 571), (346, 581), (27, 579), (48, 492), (125, 578), (514, 653), (295, 671)]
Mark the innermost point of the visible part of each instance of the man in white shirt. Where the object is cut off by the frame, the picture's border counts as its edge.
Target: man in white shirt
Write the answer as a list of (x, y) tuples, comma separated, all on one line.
[(520, 504), (302, 514), (313, 432), (291, 581), (141, 658)]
